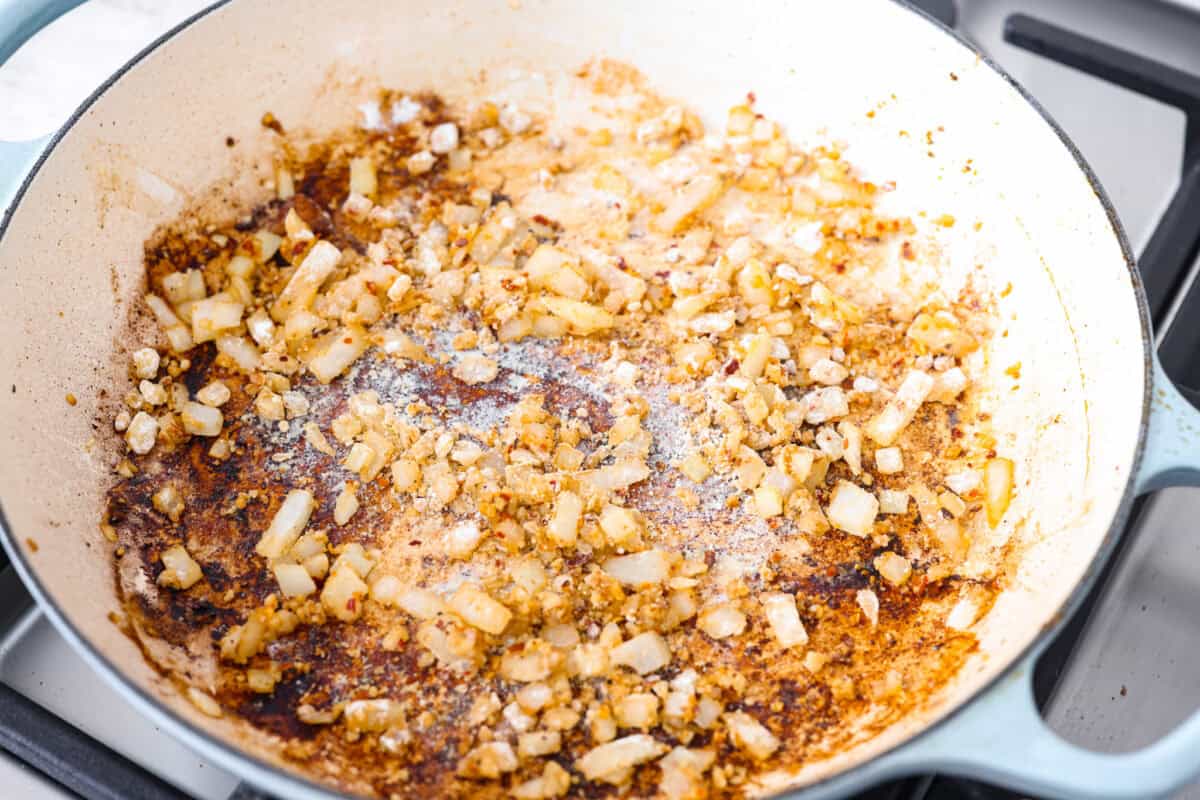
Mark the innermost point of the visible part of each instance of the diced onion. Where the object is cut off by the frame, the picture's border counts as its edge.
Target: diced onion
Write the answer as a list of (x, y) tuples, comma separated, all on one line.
[(894, 568), (885, 427), (583, 318), (618, 475), (421, 603), (892, 501), (621, 526), (477, 608), (644, 653), (868, 601), (852, 509), (489, 760), (780, 611), (240, 349), (998, 485), (294, 580), (287, 524), (564, 525), (334, 352), (611, 761), (722, 621), (316, 267), (750, 735), (640, 569), (344, 592), (201, 420), (180, 570), (462, 539), (214, 315)]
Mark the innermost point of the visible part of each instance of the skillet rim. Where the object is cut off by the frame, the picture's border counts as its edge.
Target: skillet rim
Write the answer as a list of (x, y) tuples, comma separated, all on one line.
[(241, 763)]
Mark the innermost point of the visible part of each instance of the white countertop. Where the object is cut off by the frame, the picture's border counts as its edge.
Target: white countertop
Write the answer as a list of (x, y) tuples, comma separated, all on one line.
[(56, 70)]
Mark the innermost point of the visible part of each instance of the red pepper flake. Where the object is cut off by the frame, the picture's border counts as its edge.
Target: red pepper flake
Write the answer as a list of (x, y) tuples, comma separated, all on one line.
[(622, 264), (906, 251), (349, 340), (751, 98), (732, 366), (415, 543)]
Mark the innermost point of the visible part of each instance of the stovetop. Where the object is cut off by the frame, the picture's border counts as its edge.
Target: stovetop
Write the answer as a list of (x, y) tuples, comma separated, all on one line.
[(1120, 676)]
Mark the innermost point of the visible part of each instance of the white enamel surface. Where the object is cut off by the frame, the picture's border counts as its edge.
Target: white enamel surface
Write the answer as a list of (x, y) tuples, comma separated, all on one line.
[(70, 261)]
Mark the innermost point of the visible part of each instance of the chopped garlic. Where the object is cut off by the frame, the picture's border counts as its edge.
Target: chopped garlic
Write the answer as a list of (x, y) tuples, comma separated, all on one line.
[(167, 500), (422, 162), (145, 363), (443, 138), (180, 570), (141, 433), (827, 372)]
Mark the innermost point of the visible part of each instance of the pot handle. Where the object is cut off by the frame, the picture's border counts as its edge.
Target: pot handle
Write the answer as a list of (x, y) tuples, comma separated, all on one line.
[(1001, 738), (19, 21), (1172, 454)]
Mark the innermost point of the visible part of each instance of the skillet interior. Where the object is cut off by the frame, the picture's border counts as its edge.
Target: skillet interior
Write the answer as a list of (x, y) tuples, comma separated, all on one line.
[(72, 251)]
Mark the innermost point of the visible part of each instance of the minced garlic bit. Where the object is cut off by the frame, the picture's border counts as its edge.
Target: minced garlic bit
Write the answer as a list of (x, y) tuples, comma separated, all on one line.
[(180, 570), (582, 437)]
